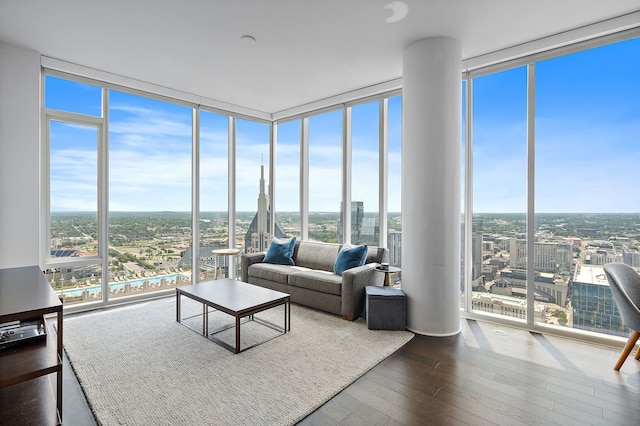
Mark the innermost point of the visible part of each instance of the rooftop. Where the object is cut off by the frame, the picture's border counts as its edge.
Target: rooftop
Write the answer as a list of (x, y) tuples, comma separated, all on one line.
[(588, 274)]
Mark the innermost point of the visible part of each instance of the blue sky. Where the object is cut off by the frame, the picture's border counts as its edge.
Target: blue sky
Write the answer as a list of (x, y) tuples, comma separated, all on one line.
[(587, 146), (587, 134)]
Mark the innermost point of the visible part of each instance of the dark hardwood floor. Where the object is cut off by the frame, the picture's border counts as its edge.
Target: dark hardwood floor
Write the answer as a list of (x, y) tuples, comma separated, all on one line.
[(489, 374)]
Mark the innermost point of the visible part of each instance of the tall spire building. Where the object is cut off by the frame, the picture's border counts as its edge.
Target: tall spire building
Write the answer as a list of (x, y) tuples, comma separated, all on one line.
[(258, 235)]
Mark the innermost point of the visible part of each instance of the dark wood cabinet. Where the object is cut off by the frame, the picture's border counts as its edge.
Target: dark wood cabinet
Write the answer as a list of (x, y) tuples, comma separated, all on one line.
[(31, 373)]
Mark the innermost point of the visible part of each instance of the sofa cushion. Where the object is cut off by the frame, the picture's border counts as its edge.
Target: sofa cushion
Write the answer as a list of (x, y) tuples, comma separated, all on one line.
[(316, 255), (280, 252), (273, 272), (350, 257), (322, 281)]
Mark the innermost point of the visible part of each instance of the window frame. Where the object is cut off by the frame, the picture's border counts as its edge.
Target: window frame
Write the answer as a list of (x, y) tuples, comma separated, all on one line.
[(49, 115)]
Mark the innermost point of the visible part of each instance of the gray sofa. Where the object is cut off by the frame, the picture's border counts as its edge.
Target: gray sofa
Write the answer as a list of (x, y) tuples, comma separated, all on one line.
[(312, 282)]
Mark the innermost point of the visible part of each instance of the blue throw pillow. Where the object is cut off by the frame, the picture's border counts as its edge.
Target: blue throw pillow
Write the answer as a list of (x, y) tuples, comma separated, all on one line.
[(350, 257), (280, 252)]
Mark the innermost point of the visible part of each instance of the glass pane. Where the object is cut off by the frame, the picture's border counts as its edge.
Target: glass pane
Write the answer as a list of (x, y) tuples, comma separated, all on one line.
[(498, 238), (150, 194), (325, 176), (365, 161), (71, 96), (288, 178), (214, 196), (587, 156), (73, 191), (253, 232)]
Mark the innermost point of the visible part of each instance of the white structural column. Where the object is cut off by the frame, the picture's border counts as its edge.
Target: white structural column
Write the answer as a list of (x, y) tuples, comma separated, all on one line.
[(431, 149)]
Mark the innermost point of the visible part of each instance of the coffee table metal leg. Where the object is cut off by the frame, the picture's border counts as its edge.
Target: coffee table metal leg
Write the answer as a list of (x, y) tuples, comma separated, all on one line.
[(205, 320), (287, 316), (237, 333), (178, 306)]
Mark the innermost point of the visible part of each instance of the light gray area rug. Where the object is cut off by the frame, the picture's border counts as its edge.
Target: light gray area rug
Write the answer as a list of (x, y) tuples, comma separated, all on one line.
[(138, 366)]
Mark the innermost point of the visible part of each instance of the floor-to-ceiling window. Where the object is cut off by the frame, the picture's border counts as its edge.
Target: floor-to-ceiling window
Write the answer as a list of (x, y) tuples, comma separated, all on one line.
[(576, 110), (253, 232), (365, 165), (119, 191), (214, 194), (498, 240), (325, 176), (587, 125), (121, 188), (287, 202), (74, 130), (150, 235)]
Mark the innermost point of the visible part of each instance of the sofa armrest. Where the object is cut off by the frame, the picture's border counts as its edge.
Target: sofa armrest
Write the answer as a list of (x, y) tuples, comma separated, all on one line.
[(354, 281), (247, 260)]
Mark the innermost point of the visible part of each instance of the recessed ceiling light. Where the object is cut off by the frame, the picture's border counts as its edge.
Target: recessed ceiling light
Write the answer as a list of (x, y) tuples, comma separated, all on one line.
[(247, 39)]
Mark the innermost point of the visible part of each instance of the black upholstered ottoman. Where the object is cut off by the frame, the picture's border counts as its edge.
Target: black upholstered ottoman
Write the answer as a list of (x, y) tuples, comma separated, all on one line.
[(385, 308)]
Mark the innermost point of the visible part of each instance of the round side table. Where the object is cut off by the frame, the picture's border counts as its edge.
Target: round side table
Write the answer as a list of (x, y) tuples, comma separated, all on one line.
[(387, 273), (231, 253)]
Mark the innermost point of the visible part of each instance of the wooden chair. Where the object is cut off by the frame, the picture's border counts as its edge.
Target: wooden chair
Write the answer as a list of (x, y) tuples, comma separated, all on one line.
[(625, 287)]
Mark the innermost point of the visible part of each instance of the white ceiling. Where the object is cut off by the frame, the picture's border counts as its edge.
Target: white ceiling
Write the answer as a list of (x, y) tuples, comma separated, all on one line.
[(306, 50)]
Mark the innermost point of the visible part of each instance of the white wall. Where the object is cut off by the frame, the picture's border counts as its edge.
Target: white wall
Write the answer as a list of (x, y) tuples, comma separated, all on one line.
[(19, 156)]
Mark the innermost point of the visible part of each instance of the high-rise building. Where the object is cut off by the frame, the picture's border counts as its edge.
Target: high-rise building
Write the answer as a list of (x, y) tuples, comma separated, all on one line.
[(394, 244), (550, 256), (594, 308), (370, 232), (357, 218), (476, 247), (631, 256), (601, 252)]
